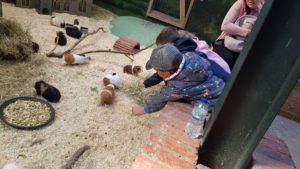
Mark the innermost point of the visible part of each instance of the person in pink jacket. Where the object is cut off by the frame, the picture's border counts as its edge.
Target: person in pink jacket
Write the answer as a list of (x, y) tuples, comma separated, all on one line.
[(203, 47), (238, 9)]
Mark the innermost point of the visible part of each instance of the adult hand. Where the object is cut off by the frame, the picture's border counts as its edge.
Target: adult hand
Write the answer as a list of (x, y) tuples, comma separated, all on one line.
[(247, 32), (138, 110)]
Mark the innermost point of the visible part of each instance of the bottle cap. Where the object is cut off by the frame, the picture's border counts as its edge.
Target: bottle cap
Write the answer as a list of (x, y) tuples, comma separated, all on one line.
[(204, 100)]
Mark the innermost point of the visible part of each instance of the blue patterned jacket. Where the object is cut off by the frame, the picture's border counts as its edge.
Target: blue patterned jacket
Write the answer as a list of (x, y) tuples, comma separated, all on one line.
[(191, 82)]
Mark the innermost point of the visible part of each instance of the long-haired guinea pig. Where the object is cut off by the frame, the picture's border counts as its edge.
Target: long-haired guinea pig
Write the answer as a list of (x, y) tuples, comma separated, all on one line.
[(112, 78), (60, 38), (73, 59), (48, 91), (107, 95)]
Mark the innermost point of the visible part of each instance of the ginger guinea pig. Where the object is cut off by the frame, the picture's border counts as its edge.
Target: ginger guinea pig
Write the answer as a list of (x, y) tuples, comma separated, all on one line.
[(107, 95)]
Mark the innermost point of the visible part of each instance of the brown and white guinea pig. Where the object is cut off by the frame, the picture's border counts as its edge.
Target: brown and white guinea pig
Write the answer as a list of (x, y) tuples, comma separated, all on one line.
[(112, 78), (135, 70), (48, 91), (73, 59), (107, 95), (60, 38)]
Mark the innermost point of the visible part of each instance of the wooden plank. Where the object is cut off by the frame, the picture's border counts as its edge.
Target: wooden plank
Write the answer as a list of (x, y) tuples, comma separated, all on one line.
[(0, 8), (182, 11), (150, 7), (188, 12), (165, 18)]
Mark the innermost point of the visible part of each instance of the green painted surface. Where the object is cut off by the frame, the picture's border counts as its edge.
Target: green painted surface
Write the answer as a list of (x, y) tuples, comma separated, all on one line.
[(140, 30), (205, 18)]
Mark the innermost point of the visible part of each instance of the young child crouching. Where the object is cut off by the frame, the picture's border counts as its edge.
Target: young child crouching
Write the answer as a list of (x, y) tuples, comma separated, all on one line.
[(187, 77)]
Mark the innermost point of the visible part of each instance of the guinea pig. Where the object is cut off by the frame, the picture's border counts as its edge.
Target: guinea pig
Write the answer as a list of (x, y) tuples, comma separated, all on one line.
[(47, 91), (57, 21), (127, 69), (60, 38), (107, 95), (112, 78), (135, 70), (73, 59)]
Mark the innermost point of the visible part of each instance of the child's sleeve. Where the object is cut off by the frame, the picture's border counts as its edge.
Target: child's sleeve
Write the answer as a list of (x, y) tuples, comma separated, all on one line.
[(153, 80), (159, 100)]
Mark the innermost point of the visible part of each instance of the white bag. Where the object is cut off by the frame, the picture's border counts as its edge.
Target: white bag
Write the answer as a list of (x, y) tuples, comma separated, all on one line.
[(236, 43)]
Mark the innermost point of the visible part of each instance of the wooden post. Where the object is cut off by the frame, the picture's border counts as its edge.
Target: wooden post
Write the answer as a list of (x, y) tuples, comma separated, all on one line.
[(179, 22), (0, 8)]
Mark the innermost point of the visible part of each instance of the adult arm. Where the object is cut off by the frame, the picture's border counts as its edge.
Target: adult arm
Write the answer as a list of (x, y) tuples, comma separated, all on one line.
[(228, 24)]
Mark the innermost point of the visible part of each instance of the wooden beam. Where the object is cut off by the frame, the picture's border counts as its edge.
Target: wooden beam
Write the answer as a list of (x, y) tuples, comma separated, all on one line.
[(0, 8), (150, 7), (188, 12), (178, 22), (182, 11)]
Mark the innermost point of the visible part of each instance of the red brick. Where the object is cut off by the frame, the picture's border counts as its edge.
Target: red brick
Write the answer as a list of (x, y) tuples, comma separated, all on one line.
[(176, 115), (185, 108), (176, 146), (173, 122), (171, 104), (144, 162), (163, 156), (166, 109), (165, 129)]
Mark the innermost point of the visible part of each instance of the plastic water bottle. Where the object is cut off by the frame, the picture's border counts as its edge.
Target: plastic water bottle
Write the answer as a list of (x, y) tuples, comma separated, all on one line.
[(194, 127)]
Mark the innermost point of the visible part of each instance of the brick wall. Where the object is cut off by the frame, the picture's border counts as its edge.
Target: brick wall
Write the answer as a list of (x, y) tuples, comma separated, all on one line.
[(168, 147)]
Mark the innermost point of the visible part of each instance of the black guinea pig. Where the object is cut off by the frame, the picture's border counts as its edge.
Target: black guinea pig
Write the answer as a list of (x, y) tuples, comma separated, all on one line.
[(49, 92), (61, 38)]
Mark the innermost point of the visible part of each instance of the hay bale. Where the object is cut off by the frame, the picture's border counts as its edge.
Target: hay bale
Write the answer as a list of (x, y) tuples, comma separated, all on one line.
[(16, 43)]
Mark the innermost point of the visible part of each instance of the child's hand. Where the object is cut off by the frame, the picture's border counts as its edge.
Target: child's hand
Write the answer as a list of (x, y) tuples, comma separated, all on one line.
[(141, 83), (138, 110)]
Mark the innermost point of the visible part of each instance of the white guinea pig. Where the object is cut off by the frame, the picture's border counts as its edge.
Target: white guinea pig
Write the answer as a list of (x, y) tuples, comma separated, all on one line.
[(112, 78)]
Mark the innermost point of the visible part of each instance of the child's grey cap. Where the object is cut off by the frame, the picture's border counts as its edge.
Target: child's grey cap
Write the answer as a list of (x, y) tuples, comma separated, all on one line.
[(164, 57)]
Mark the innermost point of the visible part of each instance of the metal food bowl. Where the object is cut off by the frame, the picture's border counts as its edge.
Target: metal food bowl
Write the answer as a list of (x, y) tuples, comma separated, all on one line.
[(10, 101)]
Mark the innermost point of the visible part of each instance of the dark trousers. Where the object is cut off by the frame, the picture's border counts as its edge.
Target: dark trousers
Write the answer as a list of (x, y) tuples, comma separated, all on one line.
[(228, 55)]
